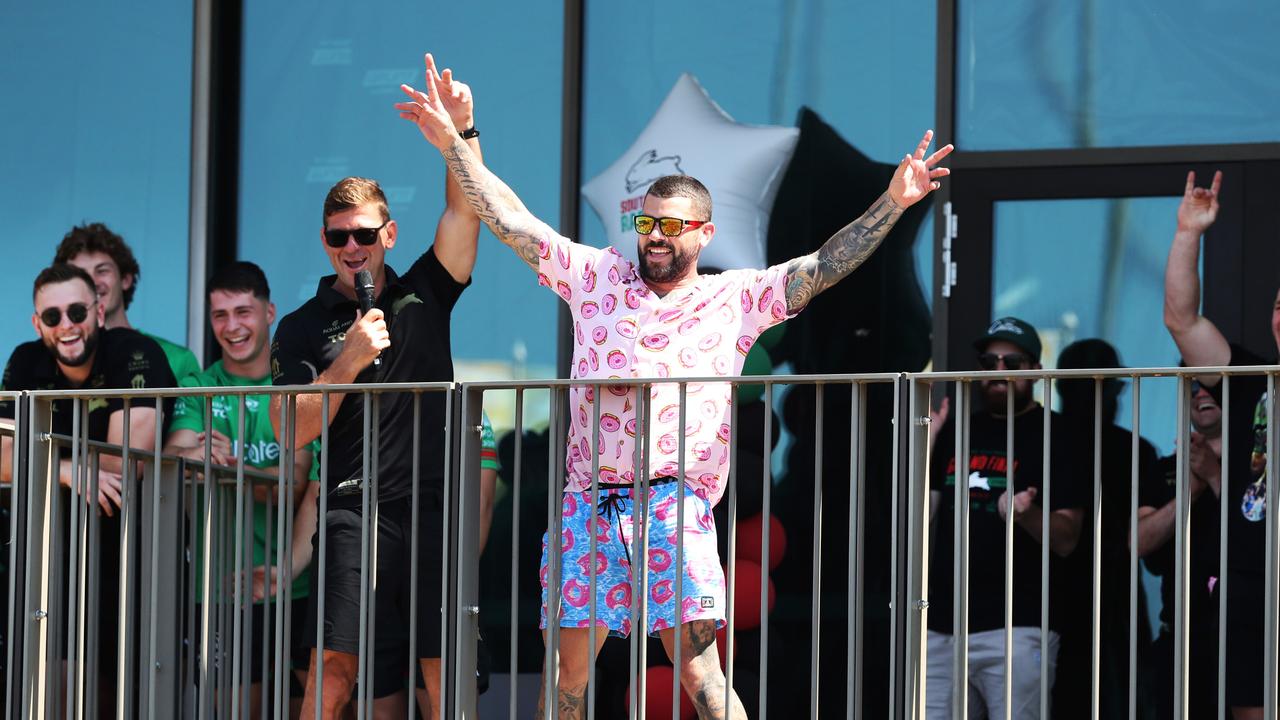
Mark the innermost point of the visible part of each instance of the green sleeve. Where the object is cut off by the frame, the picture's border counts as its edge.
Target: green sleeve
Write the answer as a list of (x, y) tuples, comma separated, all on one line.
[(183, 362), (488, 445), (188, 410)]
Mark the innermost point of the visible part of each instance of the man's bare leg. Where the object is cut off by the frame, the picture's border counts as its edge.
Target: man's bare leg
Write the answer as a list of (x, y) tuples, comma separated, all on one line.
[(700, 672), (339, 678), (575, 659)]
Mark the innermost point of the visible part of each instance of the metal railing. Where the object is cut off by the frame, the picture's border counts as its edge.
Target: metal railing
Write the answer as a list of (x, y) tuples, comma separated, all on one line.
[(181, 643)]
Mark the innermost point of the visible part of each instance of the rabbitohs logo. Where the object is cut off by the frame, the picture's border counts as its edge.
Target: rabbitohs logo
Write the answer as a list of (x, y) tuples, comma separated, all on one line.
[(647, 168)]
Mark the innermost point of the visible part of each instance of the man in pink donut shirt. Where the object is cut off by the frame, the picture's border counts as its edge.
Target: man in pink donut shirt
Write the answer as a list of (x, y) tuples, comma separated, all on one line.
[(657, 319)]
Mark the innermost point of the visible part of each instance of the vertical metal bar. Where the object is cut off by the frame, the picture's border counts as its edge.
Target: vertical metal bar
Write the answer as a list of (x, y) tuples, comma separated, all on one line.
[(640, 545), (1045, 523), (126, 701), (450, 662), (16, 491), (75, 597), (414, 530), (1181, 528), (1135, 424), (1273, 573), (816, 608), (93, 545), (593, 531), (238, 578), (375, 505), (1011, 489), (917, 550), (206, 566), (857, 473), (322, 527), (896, 597), (766, 487), (42, 463), (284, 493), (960, 617), (1223, 571), (554, 545), (732, 560), (160, 672), (363, 679), (678, 610), (470, 419), (1095, 632), (516, 490)]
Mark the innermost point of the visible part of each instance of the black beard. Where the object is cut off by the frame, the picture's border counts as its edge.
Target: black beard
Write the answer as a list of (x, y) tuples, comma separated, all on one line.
[(90, 345), (680, 262), (996, 405)]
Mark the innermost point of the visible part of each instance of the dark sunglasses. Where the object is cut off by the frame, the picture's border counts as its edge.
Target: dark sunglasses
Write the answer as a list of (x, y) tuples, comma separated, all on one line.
[(1215, 391), (76, 312), (1012, 361), (363, 236), (668, 226)]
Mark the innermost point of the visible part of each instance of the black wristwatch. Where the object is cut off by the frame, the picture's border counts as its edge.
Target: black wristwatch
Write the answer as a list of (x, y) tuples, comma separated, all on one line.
[(469, 133)]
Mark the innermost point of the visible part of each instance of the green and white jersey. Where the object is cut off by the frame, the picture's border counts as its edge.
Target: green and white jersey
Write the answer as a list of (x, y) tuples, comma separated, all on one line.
[(181, 360), (259, 445)]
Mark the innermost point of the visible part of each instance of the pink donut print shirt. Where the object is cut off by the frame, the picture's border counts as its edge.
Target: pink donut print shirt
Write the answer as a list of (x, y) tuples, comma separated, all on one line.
[(623, 330)]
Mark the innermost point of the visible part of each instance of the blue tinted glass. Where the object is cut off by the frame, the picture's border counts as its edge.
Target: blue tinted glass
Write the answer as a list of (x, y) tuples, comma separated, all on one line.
[(760, 62), (1093, 268), (1111, 74), (96, 128), (320, 81)]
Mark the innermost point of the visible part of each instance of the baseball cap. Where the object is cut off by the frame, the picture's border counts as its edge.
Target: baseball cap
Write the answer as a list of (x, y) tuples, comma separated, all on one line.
[(1011, 329)]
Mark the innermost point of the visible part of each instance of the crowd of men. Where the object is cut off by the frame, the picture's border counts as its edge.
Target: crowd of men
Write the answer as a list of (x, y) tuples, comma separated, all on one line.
[(658, 317)]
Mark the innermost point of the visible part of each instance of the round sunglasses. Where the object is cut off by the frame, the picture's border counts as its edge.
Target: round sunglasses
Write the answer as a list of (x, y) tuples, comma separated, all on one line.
[(76, 313)]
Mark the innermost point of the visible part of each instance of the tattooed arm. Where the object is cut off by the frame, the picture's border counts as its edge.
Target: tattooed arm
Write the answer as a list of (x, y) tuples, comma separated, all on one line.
[(494, 202), (842, 254), (915, 177)]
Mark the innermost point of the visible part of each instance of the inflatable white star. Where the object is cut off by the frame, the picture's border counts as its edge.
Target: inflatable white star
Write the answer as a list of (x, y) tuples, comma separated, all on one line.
[(689, 134)]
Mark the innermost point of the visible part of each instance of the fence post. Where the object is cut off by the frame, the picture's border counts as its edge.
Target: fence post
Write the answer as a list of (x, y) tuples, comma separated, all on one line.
[(40, 605), (468, 403), (160, 596), (917, 511)]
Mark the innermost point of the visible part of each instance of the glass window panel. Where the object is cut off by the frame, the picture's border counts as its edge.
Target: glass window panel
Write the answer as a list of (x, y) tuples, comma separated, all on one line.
[(320, 80), (1093, 268), (778, 57), (1112, 74), (97, 128)]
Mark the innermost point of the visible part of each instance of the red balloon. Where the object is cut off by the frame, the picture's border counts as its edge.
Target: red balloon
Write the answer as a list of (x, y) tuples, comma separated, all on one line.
[(748, 546), (657, 695), (746, 595)]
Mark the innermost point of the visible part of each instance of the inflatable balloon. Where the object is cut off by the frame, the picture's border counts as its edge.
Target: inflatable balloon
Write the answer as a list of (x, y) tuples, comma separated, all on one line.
[(657, 695), (746, 595), (690, 135), (748, 546)]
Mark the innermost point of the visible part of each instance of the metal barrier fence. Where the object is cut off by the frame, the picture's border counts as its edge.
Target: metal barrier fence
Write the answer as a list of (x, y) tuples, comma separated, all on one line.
[(178, 644)]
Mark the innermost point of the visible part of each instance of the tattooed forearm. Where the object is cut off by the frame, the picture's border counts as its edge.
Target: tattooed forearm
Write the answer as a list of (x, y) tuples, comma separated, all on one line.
[(495, 203), (841, 254)]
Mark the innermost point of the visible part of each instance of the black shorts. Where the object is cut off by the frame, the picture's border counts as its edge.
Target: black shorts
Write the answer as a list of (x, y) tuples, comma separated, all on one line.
[(298, 657), (392, 599), (1246, 597)]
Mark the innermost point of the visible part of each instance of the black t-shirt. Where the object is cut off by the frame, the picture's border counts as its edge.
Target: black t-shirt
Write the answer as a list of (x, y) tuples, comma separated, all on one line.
[(1156, 492), (124, 359), (417, 307), (1246, 487), (988, 478)]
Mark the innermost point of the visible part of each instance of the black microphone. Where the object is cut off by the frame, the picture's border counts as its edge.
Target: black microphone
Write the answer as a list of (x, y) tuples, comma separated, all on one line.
[(364, 294)]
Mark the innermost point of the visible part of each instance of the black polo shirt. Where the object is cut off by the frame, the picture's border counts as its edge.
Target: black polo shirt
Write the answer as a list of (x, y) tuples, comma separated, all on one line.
[(417, 306), (125, 359)]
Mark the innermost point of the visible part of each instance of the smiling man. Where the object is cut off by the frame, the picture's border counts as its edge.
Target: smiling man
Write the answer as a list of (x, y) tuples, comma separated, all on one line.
[(110, 263), (241, 313), (660, 319), (328, 341), (75, 351)]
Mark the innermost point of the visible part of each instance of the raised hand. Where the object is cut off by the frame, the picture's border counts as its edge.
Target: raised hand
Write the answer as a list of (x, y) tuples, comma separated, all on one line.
[(1199, 206), (917, 175), (1022, 502), (433, 115)]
